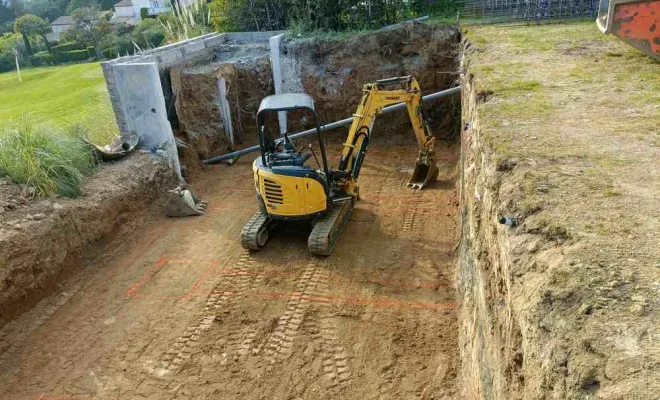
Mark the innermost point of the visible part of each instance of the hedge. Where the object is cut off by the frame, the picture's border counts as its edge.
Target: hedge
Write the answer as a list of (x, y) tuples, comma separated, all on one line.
[(78, 55), (41, 58), (64, 47), (91, 50), (74, 55)]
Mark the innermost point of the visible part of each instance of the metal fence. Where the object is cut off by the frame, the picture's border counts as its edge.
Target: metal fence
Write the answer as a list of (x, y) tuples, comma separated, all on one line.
[(533, 11)]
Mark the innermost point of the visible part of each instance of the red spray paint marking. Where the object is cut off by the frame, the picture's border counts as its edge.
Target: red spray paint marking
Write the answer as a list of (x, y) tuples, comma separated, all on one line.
[(272, 274), (146, 277), (42, 397), (388, 303), (212, 269)]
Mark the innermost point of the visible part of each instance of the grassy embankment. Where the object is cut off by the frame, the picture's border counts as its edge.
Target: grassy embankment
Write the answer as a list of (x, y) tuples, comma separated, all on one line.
[(42, 121)]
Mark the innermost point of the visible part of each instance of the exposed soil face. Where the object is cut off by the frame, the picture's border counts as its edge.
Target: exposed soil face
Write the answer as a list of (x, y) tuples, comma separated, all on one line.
[(561, 133), (181, 311), (333, 71), (42, 240)]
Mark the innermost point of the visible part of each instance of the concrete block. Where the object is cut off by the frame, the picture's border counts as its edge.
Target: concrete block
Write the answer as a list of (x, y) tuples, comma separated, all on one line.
[(143, 105), (191, 48), (215, 41), (251, 37), (274, 45)]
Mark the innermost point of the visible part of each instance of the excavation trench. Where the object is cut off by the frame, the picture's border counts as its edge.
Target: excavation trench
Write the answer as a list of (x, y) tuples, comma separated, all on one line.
[(180, 310), (426, 295)]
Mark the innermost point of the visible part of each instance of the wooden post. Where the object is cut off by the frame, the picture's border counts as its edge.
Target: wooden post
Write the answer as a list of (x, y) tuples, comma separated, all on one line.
[(18, 68)]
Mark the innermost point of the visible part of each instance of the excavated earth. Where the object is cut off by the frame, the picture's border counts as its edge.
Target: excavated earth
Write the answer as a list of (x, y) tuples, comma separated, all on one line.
[(177, 309), (105, 298)]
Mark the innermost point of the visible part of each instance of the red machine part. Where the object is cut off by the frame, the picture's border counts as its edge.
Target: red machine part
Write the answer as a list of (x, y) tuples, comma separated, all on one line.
[(635, 22)]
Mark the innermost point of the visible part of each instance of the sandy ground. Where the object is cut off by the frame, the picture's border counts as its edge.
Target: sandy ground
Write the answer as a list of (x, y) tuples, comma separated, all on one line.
[(180, 310)]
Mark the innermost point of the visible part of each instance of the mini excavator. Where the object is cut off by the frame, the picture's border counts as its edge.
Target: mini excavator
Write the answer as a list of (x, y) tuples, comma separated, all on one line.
[(288, 189)]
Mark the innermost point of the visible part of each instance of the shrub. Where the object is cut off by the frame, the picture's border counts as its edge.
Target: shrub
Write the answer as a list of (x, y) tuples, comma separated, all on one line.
[(109, 53), (62, 57), (51, 162), (64, 47), (78, 55), (42, 58), (7, 62), (144, 13)]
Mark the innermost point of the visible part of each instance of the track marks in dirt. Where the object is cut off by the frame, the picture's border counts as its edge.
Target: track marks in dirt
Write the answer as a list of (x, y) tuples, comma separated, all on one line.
[(414, 216), (280, 342), (335, 362), (14, 334), (336, 368), (224, 298)]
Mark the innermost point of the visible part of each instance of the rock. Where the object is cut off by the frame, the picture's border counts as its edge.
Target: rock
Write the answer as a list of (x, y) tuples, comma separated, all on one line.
[(533, 246), (56, 206), (39, 217), (638, 310), (585, 309), (639, 299)]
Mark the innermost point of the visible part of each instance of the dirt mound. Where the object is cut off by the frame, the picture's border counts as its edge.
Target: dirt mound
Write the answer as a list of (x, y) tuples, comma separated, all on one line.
[(43, 239), (239, 73)]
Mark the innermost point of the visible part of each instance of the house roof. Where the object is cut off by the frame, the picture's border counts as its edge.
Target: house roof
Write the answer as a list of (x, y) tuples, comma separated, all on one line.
[(124, 20), (124, 3), (64, 20)]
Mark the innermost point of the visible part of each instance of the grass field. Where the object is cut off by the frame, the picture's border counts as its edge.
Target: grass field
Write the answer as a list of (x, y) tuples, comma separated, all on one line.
[(59, 97)]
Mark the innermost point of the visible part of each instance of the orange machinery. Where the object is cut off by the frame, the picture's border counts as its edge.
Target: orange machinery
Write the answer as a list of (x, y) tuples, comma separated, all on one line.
[(636, 22)]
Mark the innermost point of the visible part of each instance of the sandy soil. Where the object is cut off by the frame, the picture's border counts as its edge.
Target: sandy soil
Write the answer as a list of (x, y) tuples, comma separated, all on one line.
[(180, 310)]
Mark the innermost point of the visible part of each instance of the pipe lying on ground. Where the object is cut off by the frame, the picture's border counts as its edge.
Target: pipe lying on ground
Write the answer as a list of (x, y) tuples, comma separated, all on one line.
[(327, 127)]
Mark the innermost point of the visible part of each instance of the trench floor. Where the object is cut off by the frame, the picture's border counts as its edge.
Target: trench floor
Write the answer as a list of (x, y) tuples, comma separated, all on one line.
[(181, 311)]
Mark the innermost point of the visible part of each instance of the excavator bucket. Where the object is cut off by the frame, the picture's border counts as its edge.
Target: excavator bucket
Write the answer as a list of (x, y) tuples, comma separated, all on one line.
[(183, 203), (424, 173), (636, 22)]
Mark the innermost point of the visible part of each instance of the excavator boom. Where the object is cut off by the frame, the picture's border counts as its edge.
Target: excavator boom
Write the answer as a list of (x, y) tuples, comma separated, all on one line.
[(377, 96)]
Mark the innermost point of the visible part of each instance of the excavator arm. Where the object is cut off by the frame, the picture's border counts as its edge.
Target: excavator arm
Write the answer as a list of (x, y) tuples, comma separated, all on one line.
[(375, 97)]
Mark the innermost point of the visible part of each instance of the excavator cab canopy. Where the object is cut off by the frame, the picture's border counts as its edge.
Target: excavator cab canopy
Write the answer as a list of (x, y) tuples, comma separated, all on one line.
[(284, 103), (636, 22)]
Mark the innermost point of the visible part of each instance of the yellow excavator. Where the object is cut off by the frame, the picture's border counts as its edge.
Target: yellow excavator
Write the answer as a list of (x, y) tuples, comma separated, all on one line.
[(288, 189)]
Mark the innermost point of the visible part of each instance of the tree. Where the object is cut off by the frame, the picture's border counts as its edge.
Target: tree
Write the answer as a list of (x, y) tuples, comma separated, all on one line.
[(6, 14), (84, 30), (30, 25), (46, 9)]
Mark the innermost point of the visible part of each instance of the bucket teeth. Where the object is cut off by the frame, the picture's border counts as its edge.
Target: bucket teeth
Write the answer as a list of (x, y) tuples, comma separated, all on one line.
[(424, 174)]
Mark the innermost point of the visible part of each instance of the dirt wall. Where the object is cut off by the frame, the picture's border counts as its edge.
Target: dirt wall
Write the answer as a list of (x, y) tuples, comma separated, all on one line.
[(247, 75), (560, 305), (333, 70), (42, 240), (489, 334)]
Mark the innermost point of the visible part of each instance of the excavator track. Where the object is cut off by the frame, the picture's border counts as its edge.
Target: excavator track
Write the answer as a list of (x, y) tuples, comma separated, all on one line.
[(255, 232), (327, 229)]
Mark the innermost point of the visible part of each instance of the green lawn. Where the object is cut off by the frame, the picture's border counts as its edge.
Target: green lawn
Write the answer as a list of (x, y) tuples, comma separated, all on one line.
[(59, 97)]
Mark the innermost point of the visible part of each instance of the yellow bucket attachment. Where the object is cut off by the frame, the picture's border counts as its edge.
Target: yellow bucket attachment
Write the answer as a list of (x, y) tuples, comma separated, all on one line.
[(425, 173)]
